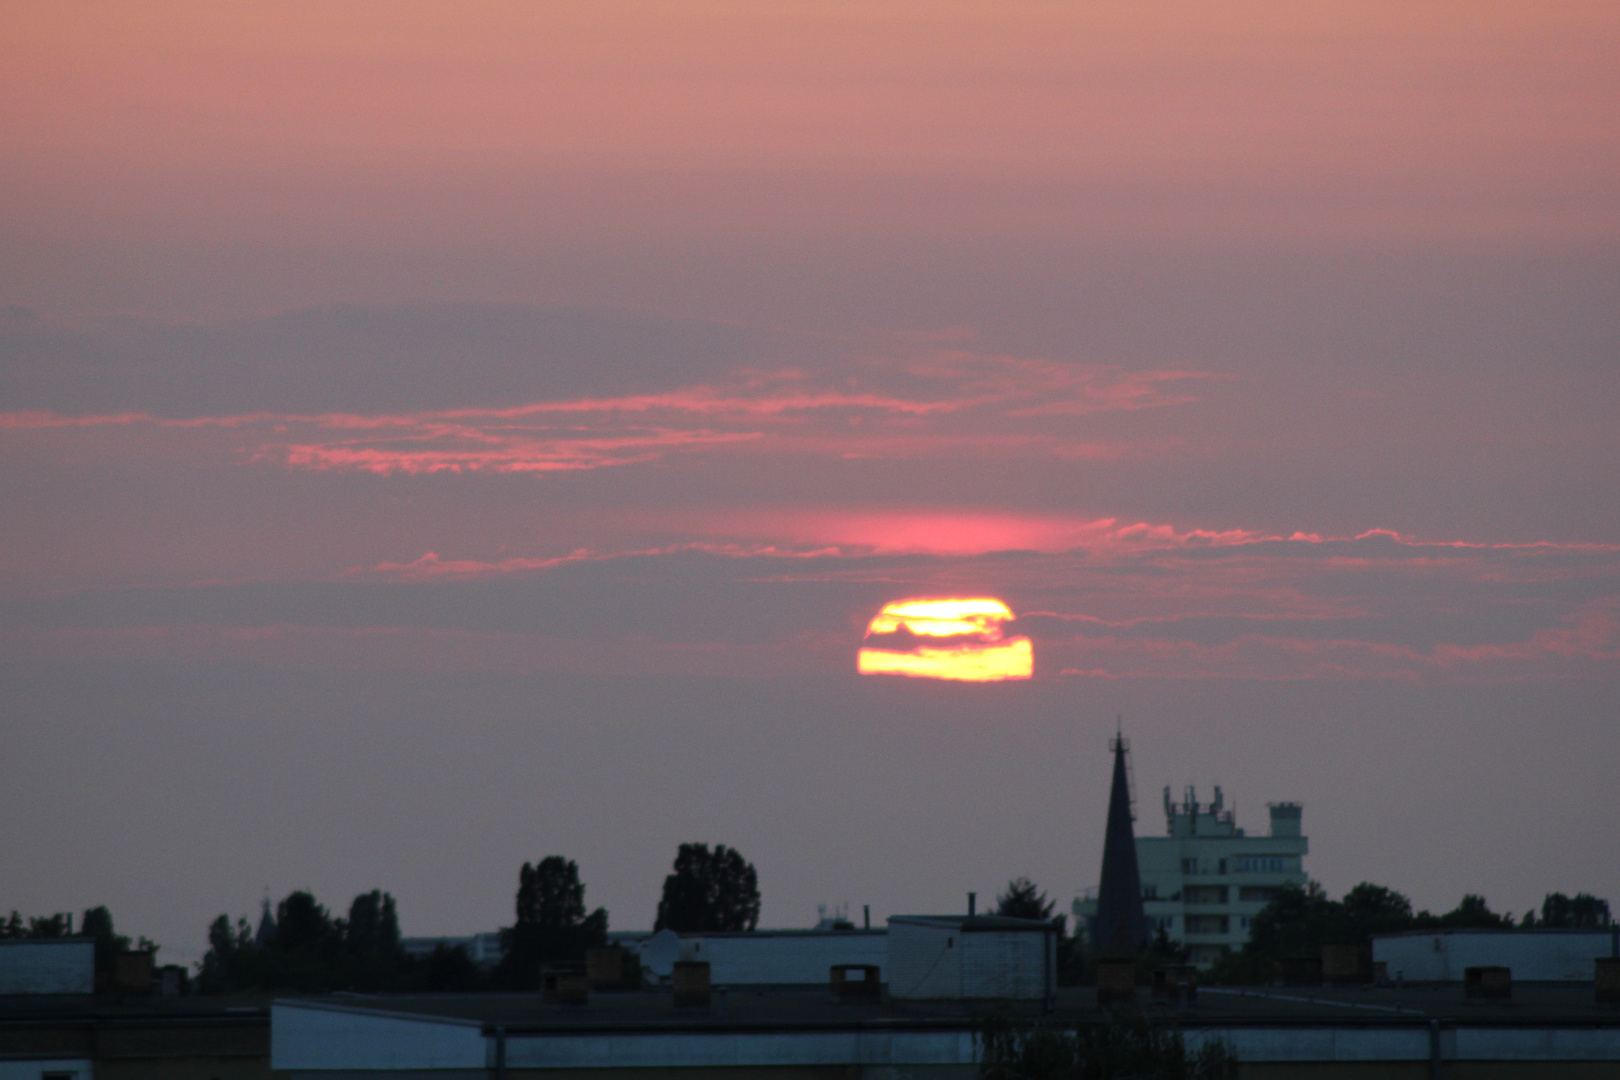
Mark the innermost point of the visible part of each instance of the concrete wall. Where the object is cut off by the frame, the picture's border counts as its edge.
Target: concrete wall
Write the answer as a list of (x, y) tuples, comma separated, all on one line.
[(767, 958), (65, 966), (925, 960), (325, 1037), (1533, 955), (380, 1046), (1006, 964), (938, 959), (13, 1069), (702, 1050)]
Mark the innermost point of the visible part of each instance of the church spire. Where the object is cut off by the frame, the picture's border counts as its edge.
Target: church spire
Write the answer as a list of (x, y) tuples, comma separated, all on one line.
[(1120, 923), (266, 937)]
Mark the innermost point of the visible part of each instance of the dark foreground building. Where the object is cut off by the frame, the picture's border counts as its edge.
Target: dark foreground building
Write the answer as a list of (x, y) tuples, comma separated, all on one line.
[(1342, 1034), (1410, 1033), (82, 1037)]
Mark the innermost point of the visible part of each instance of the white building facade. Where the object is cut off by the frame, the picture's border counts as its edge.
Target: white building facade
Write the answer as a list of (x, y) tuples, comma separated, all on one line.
[(483, 949), (1204, 882), (1539, 955), (971, 956), (783, 957), (48, 966)]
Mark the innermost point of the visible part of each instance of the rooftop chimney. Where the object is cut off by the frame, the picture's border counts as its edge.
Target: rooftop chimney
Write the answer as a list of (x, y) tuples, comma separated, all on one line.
[(973, 901), (1285, 818)]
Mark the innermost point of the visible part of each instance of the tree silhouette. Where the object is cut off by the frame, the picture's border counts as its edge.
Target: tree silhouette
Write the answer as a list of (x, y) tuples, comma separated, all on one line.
[(372, 931), (1299, 921), (307, 950), (709, 891), (1473, 913), (1581, 911), (1023, 900), (303, 925), (551, 927), (97, 923), (1371, 909)]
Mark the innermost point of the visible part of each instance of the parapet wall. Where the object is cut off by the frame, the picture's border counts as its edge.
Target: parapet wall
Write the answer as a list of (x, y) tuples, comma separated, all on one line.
[(64, 966), (1532, 955)]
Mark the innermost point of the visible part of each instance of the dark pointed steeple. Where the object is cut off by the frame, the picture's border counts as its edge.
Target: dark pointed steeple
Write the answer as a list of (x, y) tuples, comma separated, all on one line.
[(1120, 924), (266, 937)]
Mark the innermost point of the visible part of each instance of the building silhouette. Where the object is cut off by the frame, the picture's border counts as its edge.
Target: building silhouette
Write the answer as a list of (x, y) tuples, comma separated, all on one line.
[(1206, 879), (1202, 883), (1119, 924)]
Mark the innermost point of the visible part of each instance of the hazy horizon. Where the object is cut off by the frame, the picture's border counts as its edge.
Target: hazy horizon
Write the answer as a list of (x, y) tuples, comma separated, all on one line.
[(441, 436)]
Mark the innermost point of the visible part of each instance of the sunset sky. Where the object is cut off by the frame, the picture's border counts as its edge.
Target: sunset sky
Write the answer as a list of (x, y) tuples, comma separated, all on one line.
[(439, 435)]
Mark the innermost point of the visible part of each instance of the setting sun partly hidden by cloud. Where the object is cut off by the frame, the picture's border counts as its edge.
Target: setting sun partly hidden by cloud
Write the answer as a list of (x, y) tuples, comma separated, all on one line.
[(945, 639), (453, 433)]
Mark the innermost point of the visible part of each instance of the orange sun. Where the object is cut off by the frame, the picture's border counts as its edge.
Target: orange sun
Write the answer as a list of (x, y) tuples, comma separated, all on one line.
[(945, 639)]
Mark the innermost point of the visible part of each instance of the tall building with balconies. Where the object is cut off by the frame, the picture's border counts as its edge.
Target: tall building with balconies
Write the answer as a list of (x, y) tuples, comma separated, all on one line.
[(1205, 880)]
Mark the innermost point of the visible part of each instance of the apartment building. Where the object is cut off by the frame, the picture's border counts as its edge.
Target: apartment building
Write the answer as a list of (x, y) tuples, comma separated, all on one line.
[(1205, 880)]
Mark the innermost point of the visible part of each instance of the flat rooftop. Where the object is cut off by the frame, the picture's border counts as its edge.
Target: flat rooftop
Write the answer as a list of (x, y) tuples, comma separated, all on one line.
[(38, 1008), (801, 1008), (779, 1009)]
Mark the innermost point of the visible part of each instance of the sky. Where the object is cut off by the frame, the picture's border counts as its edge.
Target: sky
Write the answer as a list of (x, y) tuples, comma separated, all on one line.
[(437, 436)]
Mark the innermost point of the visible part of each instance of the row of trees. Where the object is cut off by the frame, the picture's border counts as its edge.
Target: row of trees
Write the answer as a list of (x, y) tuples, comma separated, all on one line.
[(1299, 921), (707, 890), (1560, 912), (96, 924), (302, 947)]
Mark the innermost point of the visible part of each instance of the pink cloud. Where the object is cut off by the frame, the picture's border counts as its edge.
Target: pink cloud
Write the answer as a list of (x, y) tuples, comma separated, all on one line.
[(497, 454), (430, 567), (943, 404), (944, 532), (963, 532), (1126, 602)]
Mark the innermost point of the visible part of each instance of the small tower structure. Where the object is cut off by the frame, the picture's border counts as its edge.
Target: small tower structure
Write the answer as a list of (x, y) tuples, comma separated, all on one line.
[(1120, 923), (266, 936)]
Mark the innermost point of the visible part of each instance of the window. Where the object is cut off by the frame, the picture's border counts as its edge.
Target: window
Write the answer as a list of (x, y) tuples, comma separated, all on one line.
[(1205, 894), (1223, 866), (1257, 894), (1244, 923), (1208, 924), (1167, 923), (1189, 866), (1150, 892), (1260, 864)]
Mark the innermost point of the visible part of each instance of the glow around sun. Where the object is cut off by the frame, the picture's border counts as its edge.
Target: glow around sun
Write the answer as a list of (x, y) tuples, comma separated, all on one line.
[(945, 638)]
